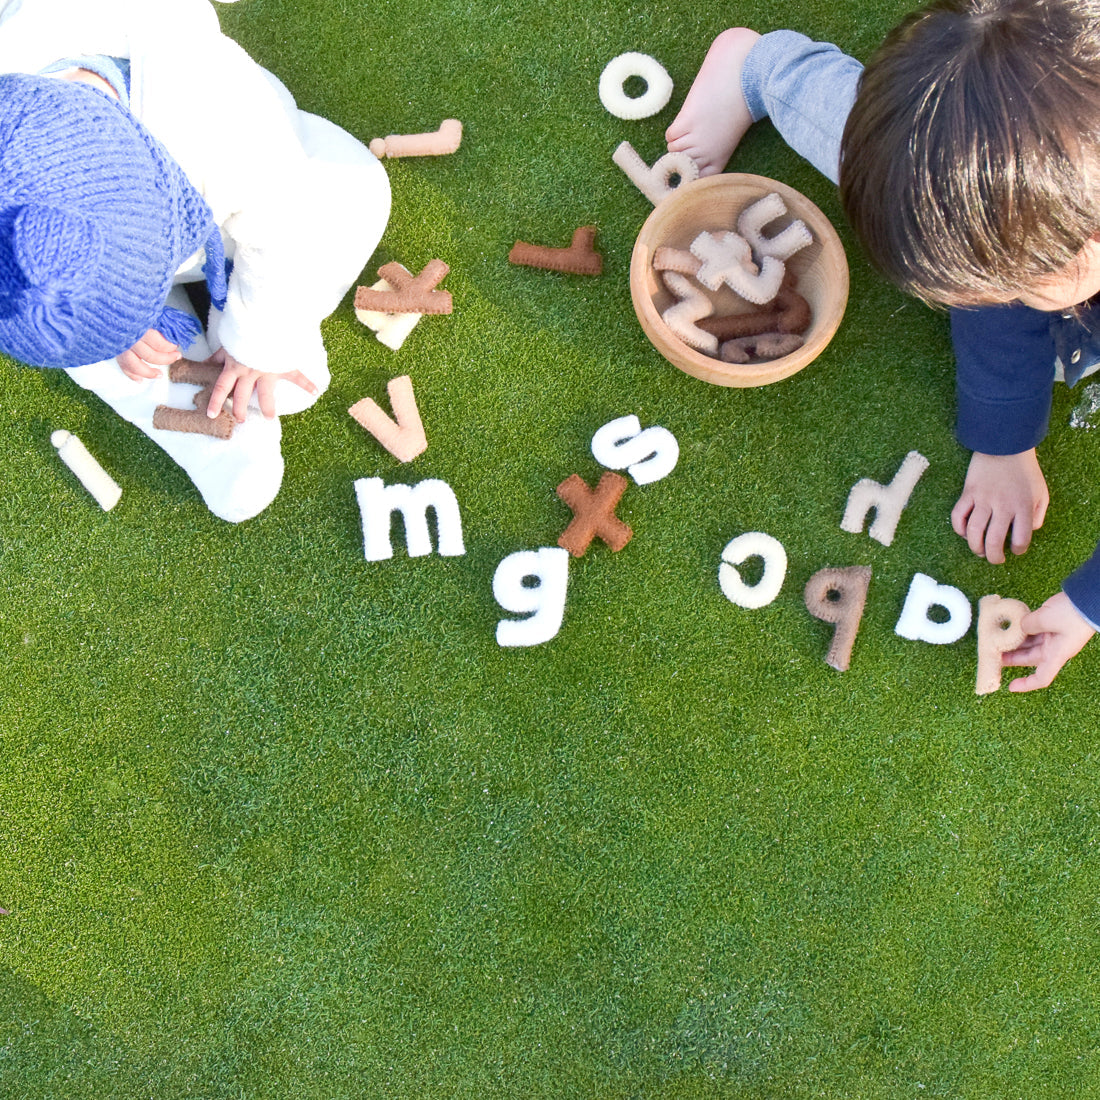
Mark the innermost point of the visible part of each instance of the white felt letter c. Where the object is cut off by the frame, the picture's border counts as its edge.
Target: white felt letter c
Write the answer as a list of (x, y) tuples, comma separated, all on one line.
[(753, 544)]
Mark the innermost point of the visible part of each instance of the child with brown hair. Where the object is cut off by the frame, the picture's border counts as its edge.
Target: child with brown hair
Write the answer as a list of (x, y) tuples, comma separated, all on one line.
[(967, 154)]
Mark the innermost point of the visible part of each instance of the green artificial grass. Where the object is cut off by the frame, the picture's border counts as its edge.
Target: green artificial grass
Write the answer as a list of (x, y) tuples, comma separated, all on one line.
[(276, 821)]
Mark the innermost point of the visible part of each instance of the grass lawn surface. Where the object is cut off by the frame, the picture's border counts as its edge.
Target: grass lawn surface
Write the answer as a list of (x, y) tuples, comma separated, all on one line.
[(276, 821)]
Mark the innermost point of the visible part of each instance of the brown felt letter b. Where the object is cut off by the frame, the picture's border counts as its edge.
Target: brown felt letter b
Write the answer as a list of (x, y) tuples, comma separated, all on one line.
[(837, 596)]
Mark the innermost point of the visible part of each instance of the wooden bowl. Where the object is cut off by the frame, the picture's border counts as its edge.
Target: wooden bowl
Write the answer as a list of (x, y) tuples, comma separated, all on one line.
[(713, 203)]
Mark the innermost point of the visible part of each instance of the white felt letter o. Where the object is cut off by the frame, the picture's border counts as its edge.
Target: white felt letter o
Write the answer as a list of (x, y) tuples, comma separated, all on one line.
[(658, 86)]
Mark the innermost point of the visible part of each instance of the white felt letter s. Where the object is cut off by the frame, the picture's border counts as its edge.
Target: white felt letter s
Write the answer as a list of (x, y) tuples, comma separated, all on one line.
[(647, 455)]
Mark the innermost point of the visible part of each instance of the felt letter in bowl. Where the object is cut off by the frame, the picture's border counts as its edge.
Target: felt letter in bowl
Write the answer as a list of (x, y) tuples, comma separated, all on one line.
[(784, 244), (378, 502), (752, 544), (999, 631), (924, 594), (838, 596), (656, 182), (888, 501), (727, 259), (691, 305), (543, 601), (647, 455)]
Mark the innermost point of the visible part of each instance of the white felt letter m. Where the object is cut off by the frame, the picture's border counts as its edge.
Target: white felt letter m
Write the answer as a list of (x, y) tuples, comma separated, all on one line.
[(378, 502)]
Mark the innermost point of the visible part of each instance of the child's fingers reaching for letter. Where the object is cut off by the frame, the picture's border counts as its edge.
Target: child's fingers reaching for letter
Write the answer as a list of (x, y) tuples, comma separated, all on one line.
[(1056, 632), (151, 352), (1002, 494), (239, 382)]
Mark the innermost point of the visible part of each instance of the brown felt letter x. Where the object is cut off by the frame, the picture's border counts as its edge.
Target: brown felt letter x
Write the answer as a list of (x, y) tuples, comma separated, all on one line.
[(593, 513)]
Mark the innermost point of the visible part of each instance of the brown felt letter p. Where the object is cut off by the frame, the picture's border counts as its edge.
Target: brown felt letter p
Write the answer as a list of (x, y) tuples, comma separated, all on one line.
[(837, 596)]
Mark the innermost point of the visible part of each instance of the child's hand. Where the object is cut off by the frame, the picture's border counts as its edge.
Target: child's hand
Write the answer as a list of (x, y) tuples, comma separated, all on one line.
[(1001, 492), (1057, 631), (241, 381), (153, 348)]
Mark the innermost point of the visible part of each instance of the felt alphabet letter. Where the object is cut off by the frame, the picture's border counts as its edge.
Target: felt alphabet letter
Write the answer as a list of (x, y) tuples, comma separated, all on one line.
[(403, 434), (545, 601), (195, 420), (999, 631), (580, 258), (390, 328), (378, 502), (838, 596), (924, 594), (749, 545), (437, 143), (656, 182), (647, 455), (691, 305), (593, 513), (784, 244), (411, 293), (888, 501), (92, 476)]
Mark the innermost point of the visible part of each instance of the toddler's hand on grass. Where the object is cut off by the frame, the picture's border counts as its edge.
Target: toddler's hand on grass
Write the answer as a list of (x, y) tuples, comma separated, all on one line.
[(1056, 632), (152, 351), (1002, 493), (240, 381)]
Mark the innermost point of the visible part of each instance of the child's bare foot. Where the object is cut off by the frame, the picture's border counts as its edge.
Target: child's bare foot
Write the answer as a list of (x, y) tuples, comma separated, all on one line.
[(715, 116)]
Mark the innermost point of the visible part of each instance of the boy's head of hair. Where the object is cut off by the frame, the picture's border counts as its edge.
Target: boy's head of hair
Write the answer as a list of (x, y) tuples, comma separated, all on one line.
[(970, 163), (95, 220)]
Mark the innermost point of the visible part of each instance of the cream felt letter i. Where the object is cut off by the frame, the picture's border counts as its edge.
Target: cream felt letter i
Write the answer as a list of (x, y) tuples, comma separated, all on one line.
[(92, 476)]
